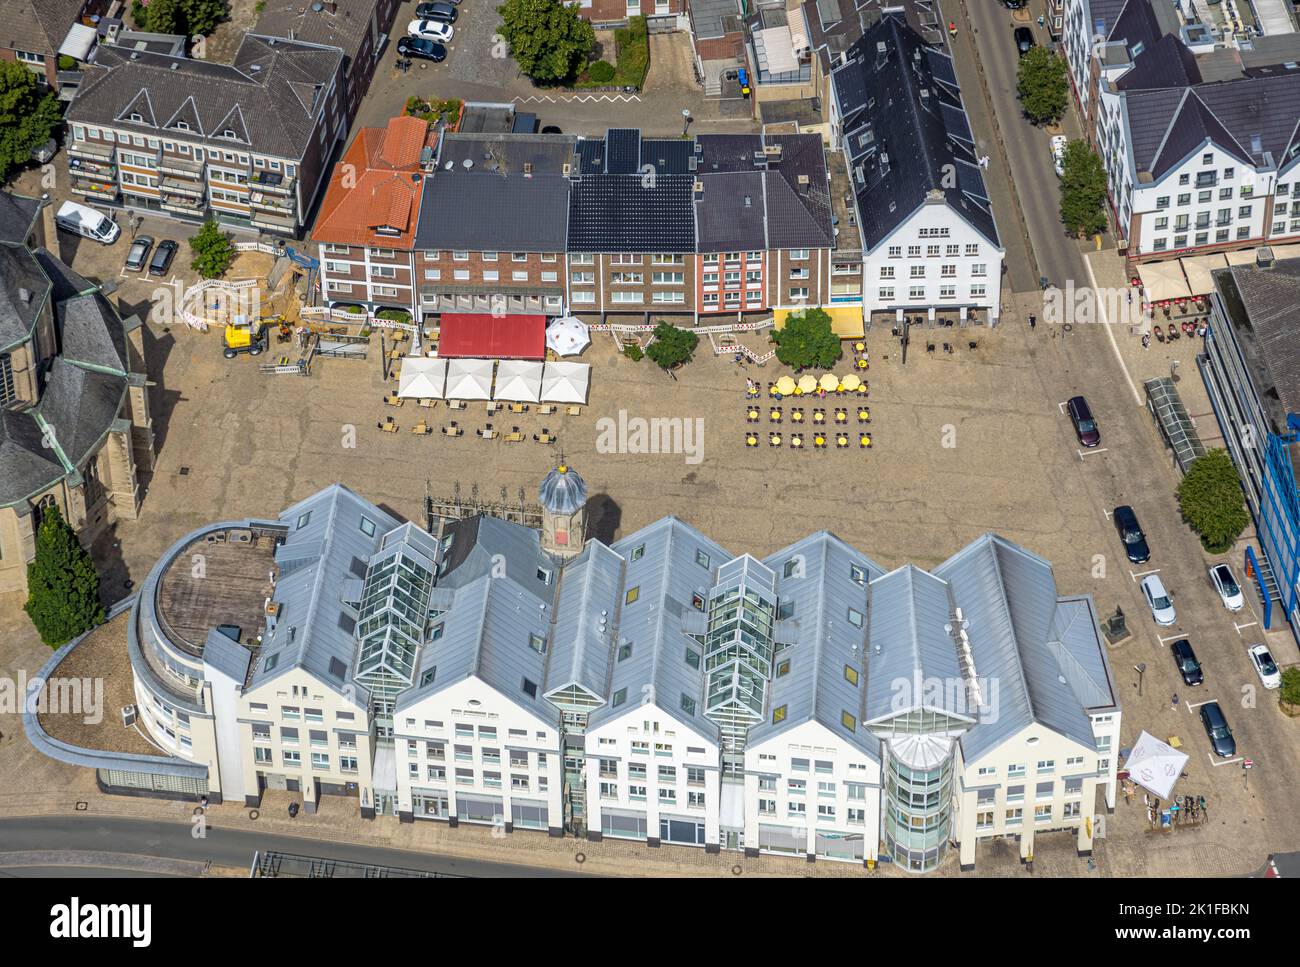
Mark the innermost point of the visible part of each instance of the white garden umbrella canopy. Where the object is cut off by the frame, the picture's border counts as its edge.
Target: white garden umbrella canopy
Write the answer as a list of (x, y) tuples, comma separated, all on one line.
[(567, 336), (469, 379), (519, 380), (565, 382), (1155, 765), (422, 377)]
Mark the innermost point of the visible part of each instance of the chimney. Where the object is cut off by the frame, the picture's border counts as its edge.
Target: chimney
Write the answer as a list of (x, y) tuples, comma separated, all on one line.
[(25, 296)]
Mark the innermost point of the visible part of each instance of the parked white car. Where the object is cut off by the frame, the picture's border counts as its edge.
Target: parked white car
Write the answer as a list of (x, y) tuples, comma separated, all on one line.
[(1058, 153), (430, 30), (1265, 667), (1229, 591), (1158, 600)]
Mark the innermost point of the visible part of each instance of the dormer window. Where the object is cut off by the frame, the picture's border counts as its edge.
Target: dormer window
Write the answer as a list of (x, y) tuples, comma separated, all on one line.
[(137, 118), (181, 126), (228, 133)]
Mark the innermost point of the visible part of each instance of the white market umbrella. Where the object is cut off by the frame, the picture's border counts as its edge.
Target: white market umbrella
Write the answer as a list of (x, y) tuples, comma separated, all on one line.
[(565, 382), (1155, 765), (567, 336), (519, 380), (422, 377), (469, 379)]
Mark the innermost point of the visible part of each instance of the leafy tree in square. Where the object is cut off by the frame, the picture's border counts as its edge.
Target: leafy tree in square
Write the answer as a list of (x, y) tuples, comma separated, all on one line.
[(807, 340), (1211, 501), (212, 251), (1083, 190), (1042, 86), (672, 346), (27, 117)]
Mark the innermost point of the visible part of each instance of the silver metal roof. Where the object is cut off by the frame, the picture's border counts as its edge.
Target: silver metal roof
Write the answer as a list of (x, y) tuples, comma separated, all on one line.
[(586, 621)]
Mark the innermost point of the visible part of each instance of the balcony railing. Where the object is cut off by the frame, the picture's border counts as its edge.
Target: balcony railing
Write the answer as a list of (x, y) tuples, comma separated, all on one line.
[(276, 222), (182, 204), (184, 167), (181, 187), (272, 203), (92, 149), (272, 181)]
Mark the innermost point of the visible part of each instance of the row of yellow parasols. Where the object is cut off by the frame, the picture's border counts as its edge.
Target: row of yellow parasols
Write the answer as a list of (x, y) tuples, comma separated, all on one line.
[(808, 383)]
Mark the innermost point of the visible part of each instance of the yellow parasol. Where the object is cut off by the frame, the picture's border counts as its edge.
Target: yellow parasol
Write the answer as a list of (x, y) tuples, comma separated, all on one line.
[(807, 383), (829, 382), (785, 386), (851, 382)]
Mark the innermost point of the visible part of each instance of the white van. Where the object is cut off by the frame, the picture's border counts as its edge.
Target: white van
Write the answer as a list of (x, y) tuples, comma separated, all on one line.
[(81, 220)]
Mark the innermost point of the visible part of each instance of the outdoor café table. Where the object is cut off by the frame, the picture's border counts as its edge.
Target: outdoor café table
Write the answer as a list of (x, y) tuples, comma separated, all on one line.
[(796, 415), (775, 414), (864, 414), (796, 441), (861, 363), (774, 439), (842, 440), (389, 427), (841, 416), (860, 347), (864, 441), (819, 442), (751, 440), (518, 407), (819, 416), (753, 415), (546, 410)]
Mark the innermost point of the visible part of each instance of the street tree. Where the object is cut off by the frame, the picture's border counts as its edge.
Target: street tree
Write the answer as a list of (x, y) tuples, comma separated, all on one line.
[(547, 38), (1211, 501), (672, 346), (1042, 86), (27, 116), (1083, 190), (212, 251), (62, 584), (807, 340)]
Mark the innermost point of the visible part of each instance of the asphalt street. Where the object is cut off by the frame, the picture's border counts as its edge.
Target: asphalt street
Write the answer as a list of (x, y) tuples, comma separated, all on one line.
[(220, 847)]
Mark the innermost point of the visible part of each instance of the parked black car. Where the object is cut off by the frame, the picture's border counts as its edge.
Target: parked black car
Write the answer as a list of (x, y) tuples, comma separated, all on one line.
[(1024, 40), (1135, 542), (421, 9), (1216, 727), (1085, 427), (1186, 661), (162, 257), (438, 10), (422, 48)]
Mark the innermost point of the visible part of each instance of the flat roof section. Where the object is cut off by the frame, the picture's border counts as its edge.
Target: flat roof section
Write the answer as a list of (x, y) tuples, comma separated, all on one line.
[(217, 580)]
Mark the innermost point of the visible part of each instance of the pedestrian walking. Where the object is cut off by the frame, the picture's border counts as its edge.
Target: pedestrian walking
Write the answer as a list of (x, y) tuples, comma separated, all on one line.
[(1033, 321), (952, 28), (1146, 340), (1173, 703)]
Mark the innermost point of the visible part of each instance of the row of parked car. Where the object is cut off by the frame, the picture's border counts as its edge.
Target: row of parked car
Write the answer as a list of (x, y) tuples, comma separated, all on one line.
[(431, 30), (137, 256), (1161, 603)]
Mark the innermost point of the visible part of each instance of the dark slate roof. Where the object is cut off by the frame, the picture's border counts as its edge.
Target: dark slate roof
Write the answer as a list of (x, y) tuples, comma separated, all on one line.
[(896, 117), (17, 216), (272, 92), (79, 406), (626, 213), (1136, 24), (668, 156), (19, 272), (622, 151), (1166, 63), (27, 465), (1247, 118), (345, 26), (729, 215), (66, 281), (91, 332), (481, 211), (1262, 305)]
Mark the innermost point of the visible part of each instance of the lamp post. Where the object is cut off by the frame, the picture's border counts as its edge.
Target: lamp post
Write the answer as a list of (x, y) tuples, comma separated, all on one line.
[(1141, 670), (686, 120)]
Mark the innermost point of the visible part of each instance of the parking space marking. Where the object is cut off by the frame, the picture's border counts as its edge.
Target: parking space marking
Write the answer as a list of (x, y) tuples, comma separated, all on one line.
[(1222, 762), (1061, 406), (1248, 624), (1195, 705), (1088, 453), (1164, 638), (1142, 574)]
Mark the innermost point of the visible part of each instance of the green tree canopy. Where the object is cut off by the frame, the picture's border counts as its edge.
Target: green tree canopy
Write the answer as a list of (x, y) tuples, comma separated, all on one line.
[(188, 17), (1211, 501), (547, 38), (62, 584), (807, 339), (1083, 190), (212, 251), (672, 346), (27, 117), (1041, 84), (1291, 687)]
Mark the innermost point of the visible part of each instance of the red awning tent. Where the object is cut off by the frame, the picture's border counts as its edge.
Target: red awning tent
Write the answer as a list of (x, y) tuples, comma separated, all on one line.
[(484, 336)]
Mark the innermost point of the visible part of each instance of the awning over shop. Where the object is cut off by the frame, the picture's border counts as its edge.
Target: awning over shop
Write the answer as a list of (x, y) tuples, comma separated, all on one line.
[(482, 335), (846, 321), (1198, 270), (1163, 281), (1285, 252), (79, 41), (1245, 256)]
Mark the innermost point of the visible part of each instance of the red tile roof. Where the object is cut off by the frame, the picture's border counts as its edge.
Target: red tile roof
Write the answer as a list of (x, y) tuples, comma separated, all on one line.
[(376, 186)]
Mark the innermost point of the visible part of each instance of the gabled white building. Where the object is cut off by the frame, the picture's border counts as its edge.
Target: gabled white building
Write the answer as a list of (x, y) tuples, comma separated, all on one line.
[(931, 245), (1198, 137)]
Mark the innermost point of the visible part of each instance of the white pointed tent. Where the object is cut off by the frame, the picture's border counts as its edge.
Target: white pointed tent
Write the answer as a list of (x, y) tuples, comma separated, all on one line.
[(567, 336), (519, 380), (422, 377), (469, 379), (1155, 765), (565, 382)]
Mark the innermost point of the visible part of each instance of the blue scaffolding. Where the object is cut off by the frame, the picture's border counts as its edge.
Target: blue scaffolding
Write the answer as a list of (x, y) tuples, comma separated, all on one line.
[(1278, 526)]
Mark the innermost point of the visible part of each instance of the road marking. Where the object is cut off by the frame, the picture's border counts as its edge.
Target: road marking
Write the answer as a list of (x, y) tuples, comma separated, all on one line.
[(1222, 762), (1101, 305), (1142, 574), (1164, 638), (1088, 453), (1061, 406), (1248, 624), (1196, 705), (583, 98)]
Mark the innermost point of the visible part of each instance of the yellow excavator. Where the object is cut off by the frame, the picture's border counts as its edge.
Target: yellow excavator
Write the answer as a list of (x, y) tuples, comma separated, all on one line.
[(245, 336)]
